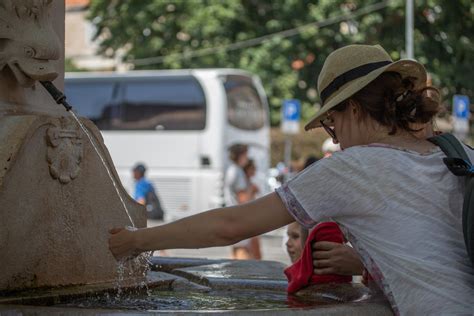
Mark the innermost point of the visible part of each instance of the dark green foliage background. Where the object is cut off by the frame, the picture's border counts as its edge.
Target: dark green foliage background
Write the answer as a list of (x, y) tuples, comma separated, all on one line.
[(444, 35)]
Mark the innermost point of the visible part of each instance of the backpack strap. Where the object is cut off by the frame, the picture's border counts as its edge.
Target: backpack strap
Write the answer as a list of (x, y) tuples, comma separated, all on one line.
[(457, 160), (459, 164), (450, 145)]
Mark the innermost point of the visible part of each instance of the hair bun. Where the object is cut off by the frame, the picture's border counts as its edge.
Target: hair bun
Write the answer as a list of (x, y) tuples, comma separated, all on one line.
[(393, 102)]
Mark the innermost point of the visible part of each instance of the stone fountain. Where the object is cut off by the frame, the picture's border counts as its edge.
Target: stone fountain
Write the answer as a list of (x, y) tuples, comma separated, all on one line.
[(58, 200)]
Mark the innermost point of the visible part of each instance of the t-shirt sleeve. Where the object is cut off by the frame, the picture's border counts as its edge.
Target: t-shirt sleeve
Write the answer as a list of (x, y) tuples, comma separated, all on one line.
[(328, 190)]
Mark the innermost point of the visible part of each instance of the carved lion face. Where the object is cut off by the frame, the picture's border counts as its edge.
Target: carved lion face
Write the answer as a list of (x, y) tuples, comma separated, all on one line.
[(29, 46)]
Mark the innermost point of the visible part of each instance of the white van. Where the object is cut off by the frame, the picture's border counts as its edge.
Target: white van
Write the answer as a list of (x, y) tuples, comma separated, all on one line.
[(179, 123)]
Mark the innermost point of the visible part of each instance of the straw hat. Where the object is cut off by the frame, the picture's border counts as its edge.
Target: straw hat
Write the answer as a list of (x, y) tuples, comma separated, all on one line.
[(349, 69)]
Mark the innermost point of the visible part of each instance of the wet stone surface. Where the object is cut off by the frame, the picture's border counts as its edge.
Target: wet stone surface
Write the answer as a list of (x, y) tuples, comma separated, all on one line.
[(167, 264), (260, 275), (196, 286), (52, 296), (238, 269)]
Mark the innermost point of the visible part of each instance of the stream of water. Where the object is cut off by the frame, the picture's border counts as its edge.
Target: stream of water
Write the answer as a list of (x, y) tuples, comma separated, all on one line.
[(142, 259), (104, 163)]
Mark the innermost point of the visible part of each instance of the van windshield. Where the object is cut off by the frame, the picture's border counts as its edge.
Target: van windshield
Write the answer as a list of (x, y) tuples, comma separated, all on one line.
[(165, 103)]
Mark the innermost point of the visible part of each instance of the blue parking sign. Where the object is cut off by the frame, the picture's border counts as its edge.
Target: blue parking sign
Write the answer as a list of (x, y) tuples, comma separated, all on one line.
[(290, 116), (461, 106), (291, 110)]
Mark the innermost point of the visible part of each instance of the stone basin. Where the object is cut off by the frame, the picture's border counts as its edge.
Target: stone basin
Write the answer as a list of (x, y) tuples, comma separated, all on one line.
[(196, 286)]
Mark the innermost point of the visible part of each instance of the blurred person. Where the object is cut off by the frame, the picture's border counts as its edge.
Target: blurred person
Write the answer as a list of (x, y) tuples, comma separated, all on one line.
[(249, 171), (235, 183), (383, 188), (145, 193), (253, 245), (237, 191)]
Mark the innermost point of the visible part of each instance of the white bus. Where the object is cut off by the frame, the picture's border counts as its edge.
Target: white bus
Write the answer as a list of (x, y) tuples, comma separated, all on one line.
[(179, 123)]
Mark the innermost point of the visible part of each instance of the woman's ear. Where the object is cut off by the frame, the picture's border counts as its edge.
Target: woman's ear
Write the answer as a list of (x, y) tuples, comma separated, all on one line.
[(354, 108)]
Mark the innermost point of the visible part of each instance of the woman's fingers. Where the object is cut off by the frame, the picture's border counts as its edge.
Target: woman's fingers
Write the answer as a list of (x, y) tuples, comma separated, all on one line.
[(318, 264), (321, 271), (325, 245), (338, 258), (322, 254), (116, 230), (324, 249), (121, 243)]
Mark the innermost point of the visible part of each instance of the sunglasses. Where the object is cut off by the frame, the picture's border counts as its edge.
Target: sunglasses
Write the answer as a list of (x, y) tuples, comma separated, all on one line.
[(327, 128)]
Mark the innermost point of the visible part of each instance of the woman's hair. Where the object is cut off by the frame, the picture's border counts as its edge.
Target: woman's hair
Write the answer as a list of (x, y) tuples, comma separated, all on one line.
[(249, 165), (236, 150), (393, 102)]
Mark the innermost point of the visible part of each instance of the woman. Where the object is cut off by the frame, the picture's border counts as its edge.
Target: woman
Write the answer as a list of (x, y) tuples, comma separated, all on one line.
[(388, 189)]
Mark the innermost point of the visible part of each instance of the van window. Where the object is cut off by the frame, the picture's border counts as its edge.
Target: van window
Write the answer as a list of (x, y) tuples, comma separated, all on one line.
[(245, 109), (89, 99), (168, 103)]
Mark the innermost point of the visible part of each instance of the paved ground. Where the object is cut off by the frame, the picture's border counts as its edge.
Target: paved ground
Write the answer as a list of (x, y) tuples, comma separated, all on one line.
[(271, 245)]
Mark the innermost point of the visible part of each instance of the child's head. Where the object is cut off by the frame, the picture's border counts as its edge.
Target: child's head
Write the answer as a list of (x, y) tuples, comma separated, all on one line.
[(297, 235), (250, 168)]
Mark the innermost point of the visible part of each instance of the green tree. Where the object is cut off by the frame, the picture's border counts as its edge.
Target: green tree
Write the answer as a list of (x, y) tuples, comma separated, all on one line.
[(191, 34)]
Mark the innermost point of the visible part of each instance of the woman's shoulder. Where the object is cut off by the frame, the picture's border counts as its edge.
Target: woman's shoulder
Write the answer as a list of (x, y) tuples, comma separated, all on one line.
[(356, 153), (373, 155), (377, 149)]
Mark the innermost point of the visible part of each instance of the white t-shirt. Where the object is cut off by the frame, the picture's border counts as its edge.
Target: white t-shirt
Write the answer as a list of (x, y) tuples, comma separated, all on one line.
[(401, 211), (234, 182)]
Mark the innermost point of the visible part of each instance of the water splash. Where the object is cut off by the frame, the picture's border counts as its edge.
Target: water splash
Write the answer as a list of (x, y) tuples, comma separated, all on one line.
[(132, 264), (96, 148), (137, 262)]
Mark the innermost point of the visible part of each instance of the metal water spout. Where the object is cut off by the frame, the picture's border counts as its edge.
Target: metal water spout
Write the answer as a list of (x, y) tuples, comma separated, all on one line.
[(57, 95)]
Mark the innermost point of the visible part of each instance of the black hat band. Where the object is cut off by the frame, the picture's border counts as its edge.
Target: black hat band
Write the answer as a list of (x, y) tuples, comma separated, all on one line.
[(350, 75)]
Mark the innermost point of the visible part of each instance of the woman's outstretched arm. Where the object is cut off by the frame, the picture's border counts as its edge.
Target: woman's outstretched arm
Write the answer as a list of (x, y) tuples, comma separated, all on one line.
[(217, 227)]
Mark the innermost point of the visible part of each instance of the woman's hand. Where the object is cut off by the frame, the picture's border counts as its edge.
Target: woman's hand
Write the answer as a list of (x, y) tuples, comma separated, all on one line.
[(123, 243), (334, 258)]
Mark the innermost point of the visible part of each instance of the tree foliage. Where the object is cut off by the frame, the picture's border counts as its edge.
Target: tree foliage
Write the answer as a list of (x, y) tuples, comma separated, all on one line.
[(288, 65)]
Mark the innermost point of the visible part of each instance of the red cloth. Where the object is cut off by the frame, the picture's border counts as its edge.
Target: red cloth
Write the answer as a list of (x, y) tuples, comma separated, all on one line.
[(300, 274)]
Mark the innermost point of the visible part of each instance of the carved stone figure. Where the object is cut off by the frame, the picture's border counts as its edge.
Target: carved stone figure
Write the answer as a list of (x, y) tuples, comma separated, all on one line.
[(29, 47)]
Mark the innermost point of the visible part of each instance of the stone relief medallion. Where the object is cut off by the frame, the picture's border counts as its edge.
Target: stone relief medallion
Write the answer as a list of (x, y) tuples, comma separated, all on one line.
[(65, 151)]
